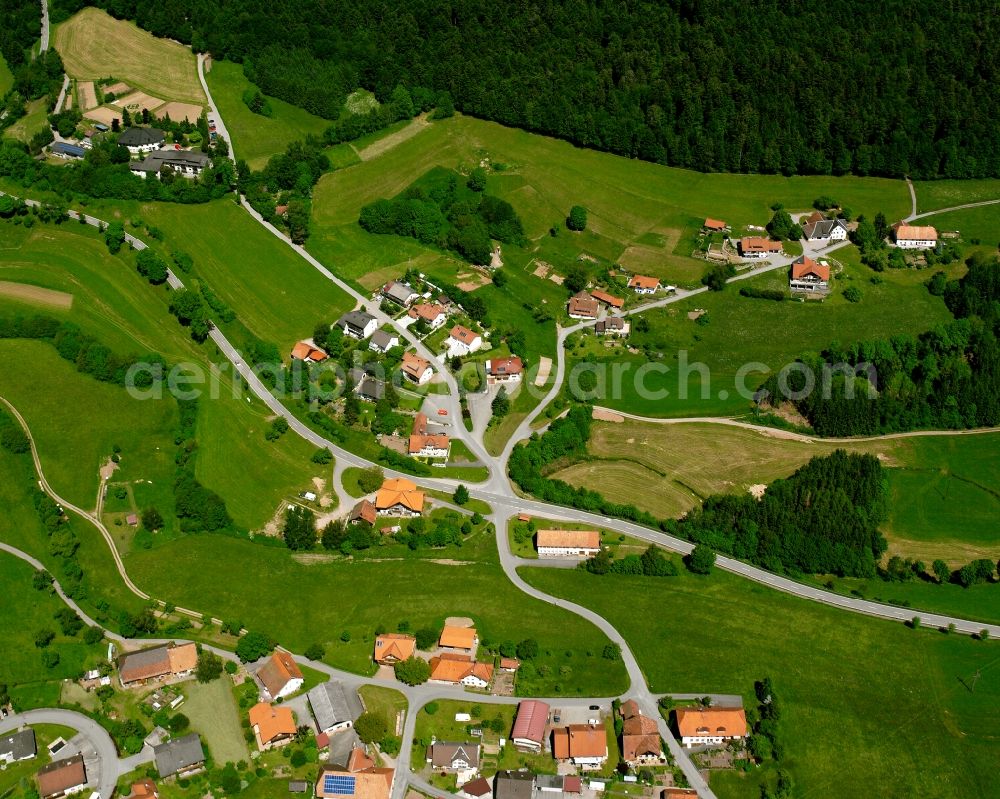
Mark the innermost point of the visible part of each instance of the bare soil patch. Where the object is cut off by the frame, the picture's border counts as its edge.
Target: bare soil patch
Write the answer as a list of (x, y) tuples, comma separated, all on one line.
[(602, 415), (544, 368), (88, 97), (459, 621), (117, 89), (382, 145), (104, 115), (139, 101), (36, 294), (178, 112)]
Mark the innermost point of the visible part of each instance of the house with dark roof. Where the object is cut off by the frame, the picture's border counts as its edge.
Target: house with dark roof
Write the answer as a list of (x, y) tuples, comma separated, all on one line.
[(357, 324), (514, 785), (824, 229), (64, 149), (141, 140), (453, 756), (363, 513), (180, 756), (18, 746), (280, 675), (186, 163), (479, 788), (335, 706), (612, 326), (62, 778)]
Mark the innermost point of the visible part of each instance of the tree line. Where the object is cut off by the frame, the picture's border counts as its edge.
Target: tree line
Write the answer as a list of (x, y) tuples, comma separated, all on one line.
[(945, 378), (875, 89)]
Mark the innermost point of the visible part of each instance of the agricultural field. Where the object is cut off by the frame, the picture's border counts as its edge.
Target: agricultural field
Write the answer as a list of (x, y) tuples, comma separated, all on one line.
[(638, 212), (256, 138), (356, 597), (869, 706), (23, 613), (702, 358), (94, 45)]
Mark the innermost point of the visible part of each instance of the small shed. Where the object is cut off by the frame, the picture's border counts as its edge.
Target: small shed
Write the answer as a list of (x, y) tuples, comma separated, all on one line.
[(132, 520)]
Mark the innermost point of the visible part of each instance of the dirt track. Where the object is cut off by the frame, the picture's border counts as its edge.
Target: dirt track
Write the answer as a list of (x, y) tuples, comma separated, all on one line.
[(36, 294)]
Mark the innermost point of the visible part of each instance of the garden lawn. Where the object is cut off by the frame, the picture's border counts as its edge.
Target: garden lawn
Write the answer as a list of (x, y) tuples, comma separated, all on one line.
[(23, 613), (256, 138), (385, 702), (295, 602), (868, 707), (94, 45), (213, 713)]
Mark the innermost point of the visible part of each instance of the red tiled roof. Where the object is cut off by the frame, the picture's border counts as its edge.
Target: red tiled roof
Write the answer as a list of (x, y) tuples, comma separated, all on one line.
[(463, 334), (609, 299), (579, 740), (529, 724), (583, 304), (807, 266), (585, 539), (390, 647), (714, 224), (278, 671), (729, 722), (758, 244), (505, 366), (643, 282)]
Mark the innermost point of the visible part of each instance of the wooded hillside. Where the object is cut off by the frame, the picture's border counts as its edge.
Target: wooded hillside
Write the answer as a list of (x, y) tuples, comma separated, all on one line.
[(893, 88)]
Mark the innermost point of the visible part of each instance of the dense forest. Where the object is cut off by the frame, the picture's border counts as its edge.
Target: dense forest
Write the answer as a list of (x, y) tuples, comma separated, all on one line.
[(946, 378), (891, 88), (822, 519)]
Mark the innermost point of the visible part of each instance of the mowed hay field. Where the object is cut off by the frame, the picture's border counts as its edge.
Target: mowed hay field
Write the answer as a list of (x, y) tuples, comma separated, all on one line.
[(95, 45), (256, 138), (630, 202), (868, 707), (935, 194)]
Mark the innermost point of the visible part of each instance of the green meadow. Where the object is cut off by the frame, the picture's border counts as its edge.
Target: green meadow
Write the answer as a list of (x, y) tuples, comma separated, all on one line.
[(934, 194), (694, 364), (641, 215), (256, 138), (978, 226), (23, 613), (306, 600), (868, 707), (6, 77), (34, 120)]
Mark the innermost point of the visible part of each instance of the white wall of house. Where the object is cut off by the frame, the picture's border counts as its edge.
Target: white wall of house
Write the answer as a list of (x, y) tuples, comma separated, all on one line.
[(290, 687), (916, 244), (567, 552)]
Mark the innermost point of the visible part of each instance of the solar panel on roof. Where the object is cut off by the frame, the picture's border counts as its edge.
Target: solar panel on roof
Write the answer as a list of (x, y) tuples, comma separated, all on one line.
[(338, 784)]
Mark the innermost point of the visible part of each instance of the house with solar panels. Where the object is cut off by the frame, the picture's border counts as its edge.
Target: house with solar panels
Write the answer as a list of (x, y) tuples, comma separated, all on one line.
[(359, 780)]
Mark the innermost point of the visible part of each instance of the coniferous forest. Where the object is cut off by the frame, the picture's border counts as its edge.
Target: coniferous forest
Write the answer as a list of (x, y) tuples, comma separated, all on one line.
[(891, 88)]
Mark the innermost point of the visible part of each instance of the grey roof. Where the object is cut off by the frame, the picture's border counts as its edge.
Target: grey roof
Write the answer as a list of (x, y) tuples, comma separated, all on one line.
[(19, 746), (298, 786), (157, 159), (382, 340), (399, 292), (178, 754), (371, 389), (66, 148), (144, 664), (140, 137), (822, 228), (358, 319), (341, 746), (332, 704), (610, 323), (551, 781), (443, 753), (514, 785)]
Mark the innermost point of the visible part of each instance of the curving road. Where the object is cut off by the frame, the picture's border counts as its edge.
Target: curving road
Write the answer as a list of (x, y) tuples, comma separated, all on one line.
[(925, 214)]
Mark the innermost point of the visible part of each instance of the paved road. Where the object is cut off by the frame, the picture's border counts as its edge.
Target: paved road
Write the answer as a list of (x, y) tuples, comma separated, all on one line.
[(213, 111), (92, 732), (953, 208), (913, 200)]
